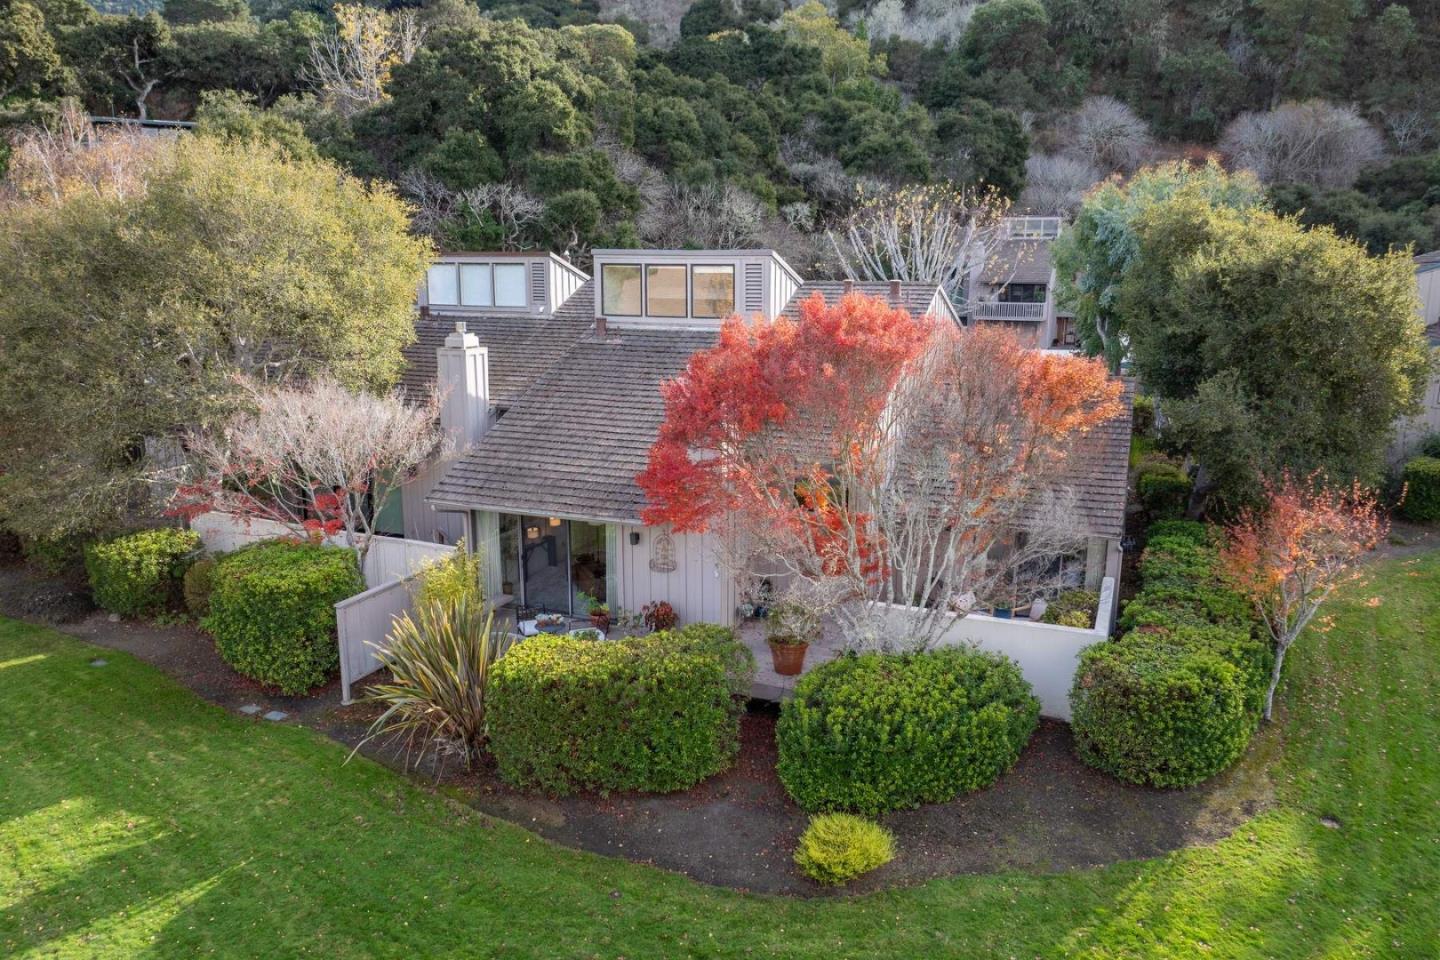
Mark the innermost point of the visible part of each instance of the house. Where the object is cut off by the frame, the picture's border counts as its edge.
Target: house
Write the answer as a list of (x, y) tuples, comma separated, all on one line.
[(552, 393), (1411, 431), (1016, 285)]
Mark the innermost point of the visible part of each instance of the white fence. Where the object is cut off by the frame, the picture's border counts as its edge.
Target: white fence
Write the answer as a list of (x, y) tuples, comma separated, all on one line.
[(366, 619), (1048, 654), (389, 559)]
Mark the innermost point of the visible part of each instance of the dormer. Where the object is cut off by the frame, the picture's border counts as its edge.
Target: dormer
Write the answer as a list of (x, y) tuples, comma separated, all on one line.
[(690, 288), (532, 284)]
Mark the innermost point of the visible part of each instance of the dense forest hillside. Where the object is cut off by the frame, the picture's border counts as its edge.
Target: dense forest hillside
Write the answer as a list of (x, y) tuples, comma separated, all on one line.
[(577, 123)]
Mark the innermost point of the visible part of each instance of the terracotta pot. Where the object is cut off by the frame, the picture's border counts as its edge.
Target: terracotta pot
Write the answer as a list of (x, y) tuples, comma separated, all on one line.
[(789, 658), (600, 621)]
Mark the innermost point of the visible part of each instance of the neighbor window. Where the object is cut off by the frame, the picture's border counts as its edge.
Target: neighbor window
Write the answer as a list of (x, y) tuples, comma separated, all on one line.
[(475, 287), (509, 284), (1022, 293), (621, 290), (665, 291), (442, 285), (714, 290)]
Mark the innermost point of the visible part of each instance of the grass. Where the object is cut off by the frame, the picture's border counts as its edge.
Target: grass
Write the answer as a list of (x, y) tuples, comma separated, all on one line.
[(137, 821)]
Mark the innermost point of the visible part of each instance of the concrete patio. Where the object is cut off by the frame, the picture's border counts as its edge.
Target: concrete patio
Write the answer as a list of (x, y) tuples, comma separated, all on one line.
[(770, 685)]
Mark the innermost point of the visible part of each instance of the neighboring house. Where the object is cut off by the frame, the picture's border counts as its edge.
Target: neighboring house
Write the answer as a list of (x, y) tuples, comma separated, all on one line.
[(1016, 287), (1410, 431), (555, 401)]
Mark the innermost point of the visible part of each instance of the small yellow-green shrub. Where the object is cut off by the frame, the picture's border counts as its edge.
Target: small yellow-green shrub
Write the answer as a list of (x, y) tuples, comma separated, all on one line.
[(455, 578), (838, 847)]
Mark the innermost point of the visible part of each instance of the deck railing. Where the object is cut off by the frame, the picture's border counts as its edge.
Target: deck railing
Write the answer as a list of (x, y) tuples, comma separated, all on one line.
[(997, 310)]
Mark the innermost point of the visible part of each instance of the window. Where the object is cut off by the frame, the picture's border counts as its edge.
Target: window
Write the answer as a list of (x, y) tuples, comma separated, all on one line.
[(714, 291), (1022, 293), (442, 285), (509, 284), (665, 291), (621, 290), (475, 288)]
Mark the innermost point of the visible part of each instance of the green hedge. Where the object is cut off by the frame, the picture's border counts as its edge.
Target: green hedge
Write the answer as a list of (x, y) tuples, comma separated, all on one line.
[(1163, 490), (272, 611), (1422, 490), (1185, 531), (881, 732), (1161, 709), (1182, 585), (656, 713), (199, 580), (140, 574)]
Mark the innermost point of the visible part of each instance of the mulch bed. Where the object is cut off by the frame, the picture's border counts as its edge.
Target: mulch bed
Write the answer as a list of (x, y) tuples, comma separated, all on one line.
[(737, 829)]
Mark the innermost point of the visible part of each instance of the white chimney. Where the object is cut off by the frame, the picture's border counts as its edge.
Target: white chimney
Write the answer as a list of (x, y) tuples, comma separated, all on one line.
[(463, 379)]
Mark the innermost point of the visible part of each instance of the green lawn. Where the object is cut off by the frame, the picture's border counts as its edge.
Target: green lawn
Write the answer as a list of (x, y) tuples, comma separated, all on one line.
[(137, 821)]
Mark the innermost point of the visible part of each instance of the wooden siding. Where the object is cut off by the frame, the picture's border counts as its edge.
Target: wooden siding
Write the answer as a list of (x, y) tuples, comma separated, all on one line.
[(698, 589)]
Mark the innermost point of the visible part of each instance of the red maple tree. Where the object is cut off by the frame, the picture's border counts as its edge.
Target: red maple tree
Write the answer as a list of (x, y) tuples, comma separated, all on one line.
[(1290, 554), (875, 457)]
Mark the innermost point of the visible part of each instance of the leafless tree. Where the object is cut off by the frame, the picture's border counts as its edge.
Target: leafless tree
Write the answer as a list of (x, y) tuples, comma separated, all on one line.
[(1055, 184), (1108, 134), (1409, 127), (307, 457), (436, 206), (711, 216), (1314, 142), (926, 22), (69, 155), (931, 234), (351, 62)]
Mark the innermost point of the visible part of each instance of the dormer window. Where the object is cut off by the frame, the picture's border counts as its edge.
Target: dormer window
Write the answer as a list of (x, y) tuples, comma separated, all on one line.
[(477, 285), (713, 290), (690, 288)]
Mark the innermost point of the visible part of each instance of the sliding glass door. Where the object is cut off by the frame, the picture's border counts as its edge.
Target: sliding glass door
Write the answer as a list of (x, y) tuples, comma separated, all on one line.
[(545, 563), (548, 562)]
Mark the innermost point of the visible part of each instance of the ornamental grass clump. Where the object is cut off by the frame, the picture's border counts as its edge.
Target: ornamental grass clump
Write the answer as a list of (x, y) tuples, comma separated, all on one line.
[(140, 574), (838, 847), (880, 732), (440, 661)]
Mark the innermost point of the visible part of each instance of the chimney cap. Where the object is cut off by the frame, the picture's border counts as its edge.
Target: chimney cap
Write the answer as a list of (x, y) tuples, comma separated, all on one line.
[(459, 326), (601, 327), (895, 289)]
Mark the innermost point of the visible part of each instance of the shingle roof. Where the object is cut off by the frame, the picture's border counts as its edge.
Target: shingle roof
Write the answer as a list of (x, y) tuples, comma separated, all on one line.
[(1097, 471), (521, 349), (1432, 257), (573, 446), (1020, 261), (914, 296)]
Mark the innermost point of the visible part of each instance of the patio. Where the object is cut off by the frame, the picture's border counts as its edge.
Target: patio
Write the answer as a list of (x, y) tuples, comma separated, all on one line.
[(770, 685)]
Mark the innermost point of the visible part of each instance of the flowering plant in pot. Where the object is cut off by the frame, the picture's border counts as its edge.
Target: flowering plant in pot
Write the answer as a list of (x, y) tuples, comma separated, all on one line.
[(659, 616), (789, 630), (598, 610)]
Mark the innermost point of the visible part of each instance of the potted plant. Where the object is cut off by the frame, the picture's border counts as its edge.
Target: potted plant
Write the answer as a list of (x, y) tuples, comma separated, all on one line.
[(598, 610), (789, 630), (659, 616)]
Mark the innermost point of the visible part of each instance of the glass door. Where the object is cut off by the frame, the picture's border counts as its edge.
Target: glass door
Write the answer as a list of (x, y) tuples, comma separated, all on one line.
[(587, 563), (545, 563)]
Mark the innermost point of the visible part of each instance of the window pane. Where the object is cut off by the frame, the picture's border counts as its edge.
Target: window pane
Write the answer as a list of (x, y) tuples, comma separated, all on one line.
[(714, 291), (475, 285), (620, 295), (509, 285), (442, 285), (665, 291)]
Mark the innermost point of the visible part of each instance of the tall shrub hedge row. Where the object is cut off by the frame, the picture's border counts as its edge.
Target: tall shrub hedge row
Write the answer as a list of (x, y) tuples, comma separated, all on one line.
[(1176, 699), (272, 611), (655, 713), (140, 573), (1421, 477), (879, 732)]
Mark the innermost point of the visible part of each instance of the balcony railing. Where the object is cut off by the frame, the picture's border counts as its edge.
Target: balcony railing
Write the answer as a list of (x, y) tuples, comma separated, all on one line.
[(997, 310)]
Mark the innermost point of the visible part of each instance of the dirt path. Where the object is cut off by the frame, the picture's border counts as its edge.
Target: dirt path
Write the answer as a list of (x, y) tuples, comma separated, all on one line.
[(738, 829)]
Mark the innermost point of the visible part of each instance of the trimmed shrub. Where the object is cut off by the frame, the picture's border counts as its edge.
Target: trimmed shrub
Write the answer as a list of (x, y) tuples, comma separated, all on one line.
[(1181, 583), (1144, 423), (140, 574), (454, 578), (1430, 446), (880, 732), (196, 585), (1161, 709), (656, 713), (272, 611), (1163, 490), (1073, 608), (1421, 477), (838, 847), (1186, 531)]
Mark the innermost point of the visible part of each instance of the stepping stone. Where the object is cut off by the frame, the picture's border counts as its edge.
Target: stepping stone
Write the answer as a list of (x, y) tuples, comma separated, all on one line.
[(99, 662), (250, 709), (276, 715)]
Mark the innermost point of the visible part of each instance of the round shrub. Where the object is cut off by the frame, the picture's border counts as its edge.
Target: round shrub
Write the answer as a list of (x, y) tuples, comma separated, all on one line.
[(272, 611), (655, 713), (1155, 709), (1163, 490), (880, 732), (140, 574), (198, 581), (1422, 490), (838, 847)]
